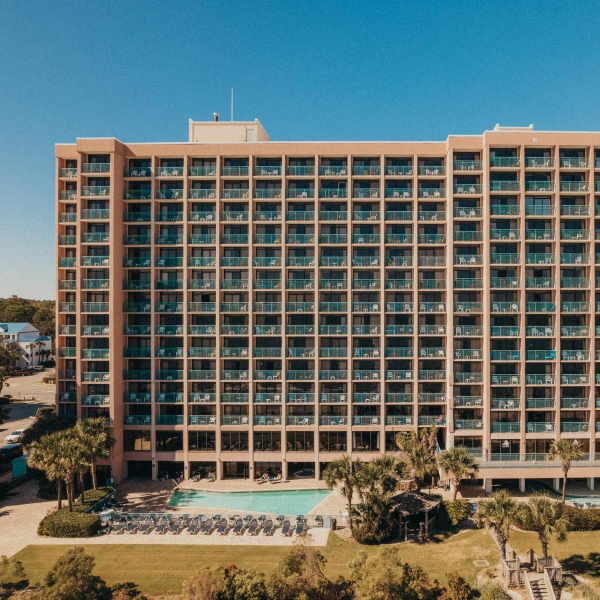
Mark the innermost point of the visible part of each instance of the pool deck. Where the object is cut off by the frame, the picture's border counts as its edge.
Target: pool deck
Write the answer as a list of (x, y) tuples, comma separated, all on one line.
[(153, 496)]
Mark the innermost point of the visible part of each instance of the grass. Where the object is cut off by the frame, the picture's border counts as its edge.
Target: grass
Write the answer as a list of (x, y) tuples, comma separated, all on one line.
[(579, 554), (160, 569)]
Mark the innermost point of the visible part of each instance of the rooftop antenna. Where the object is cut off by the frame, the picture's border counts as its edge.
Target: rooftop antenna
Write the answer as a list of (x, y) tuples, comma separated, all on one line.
[(232, 104)]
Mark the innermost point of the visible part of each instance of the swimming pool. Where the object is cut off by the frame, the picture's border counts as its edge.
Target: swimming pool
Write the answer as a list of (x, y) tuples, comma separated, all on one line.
[(287, 502)]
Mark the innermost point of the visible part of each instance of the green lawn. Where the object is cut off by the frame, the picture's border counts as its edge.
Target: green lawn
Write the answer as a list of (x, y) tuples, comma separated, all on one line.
[(580, 553), (160, 569)]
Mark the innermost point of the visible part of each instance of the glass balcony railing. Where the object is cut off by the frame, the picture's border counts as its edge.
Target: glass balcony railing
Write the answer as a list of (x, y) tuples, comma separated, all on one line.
[(468, 283), (269, 398), (169, 171), (170, 397), (510, 162), (67, 374), (137, 217), (137, 419), (575, 403), (300, 215), (468, 354), (329, 329), (94, 353), (542, 162), (267, 215), (540, 355), (468, 307), (467, 188), (432, 215), (137, 194), (574, 258), (575, 379), (543, 307), (402, 352), (539, 186), (95, 307), (539, 403), (505, 379), (574, 355), (505, 355), (330, 215), (504, 234), (202, 215), (234, 238), (168, 216), (332, 375), (432, 375), (575, 282), (505, 209), (203, 171), (70, 217), (234, 215), (300, 375), (505, 258), (468, 401), (574, 427), (301, 170), (541, 379), (575, 307), (540, 282), (95, 261), (369, 192), (333, 193), (102, 214), (540, 427), (470, 424), (467, 212), (95, 377), (468, 236), (201, 374), (300, 307), (574, 186), (512, 307), (137, 330), (302, 352), (301, 329), (400, 330), (505, 186), (505, 282), (199, 194), (137, 374), (169, 419), (468, 259), (467, 165), (575, 210), (168, 307), (95, 190), (267, 375), (505, 427), (539, 234), (575, 331), (235, 171), (202, 420), (399, 375), (137, 352), (300, 238), (95, 400)]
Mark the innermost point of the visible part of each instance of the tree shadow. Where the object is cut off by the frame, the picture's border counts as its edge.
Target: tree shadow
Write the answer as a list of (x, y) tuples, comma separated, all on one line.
[(588, 566)]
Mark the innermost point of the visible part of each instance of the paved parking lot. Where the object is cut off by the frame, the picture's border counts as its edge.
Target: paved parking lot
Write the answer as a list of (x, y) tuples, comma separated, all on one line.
[(37, 394)]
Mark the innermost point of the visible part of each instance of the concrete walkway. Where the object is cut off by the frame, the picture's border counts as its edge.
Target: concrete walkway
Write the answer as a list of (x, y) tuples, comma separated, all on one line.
[(21, 511)]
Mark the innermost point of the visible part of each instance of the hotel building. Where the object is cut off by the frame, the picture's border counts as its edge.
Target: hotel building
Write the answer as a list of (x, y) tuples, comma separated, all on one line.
[(235, 304)]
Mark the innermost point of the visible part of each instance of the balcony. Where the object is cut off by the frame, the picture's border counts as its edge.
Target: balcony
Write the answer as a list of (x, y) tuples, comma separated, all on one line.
[(301, 171), (95, 191), (540, 427), (468, 212), (300, 215), (198, 194), (94, 353), (137, 419), (169, 172), (468, 401), (299, 421), (468, 236), (267, 307), (540, 282), (575, 282), (301, 375), (468, 307), (509, 162), (539, 186), (210, 330), (300, 307), (505, 355), (505, 234), (202, 420), (539, 162), (95, 377), (137, 217), (235, 374), (467, 188), (468, 354), (95, 261), (201, 374), (432, 420), (509, 380), (168, 419), (539, 234), (542, 379), (509, 427), (170, 398), (267, 420), (574, 258), (137, 172), (575, 186), (543, 403), (468, 424), (574, 355), (574, 427), (540, 355), (541, 307), (267, 375), (505, 186), (358, 192), (137, 374), (504, 282), (95, 400), (505, 258), (137, 194), (432, 215), (571, 307), (168, 307), (168, 216), (575, 403), (505, 209), (176, 261), (301, 238), (94, 307)]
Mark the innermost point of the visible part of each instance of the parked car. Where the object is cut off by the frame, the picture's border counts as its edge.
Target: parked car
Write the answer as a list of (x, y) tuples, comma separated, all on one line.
[(15, 437)]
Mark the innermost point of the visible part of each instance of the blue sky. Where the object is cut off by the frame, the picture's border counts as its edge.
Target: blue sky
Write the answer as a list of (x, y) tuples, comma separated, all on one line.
[(310, 69)]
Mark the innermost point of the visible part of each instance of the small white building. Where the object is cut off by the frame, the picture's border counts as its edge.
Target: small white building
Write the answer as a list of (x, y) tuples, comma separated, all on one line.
[(29, 341)]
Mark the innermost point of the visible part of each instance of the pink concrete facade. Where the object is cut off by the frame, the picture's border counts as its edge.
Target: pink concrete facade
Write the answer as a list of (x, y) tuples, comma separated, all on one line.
[(252, 306)]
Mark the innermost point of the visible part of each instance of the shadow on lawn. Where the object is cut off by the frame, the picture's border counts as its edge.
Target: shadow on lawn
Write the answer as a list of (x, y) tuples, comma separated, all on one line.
[(583, 565)]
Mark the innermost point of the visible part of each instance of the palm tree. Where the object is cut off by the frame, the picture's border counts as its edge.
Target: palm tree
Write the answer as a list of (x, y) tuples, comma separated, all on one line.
[(345, 473), (460, 464), (45, 456), (73, 460), (543, 515), (565, 451), (418, 451), (499, 513), (380, 475), (96, 440)]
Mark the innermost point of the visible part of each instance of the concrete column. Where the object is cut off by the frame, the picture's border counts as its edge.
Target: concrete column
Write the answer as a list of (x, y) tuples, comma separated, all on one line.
[(284, 469), (487, 486), (522, 485), (154, 469), (556, 484), (590, 483)]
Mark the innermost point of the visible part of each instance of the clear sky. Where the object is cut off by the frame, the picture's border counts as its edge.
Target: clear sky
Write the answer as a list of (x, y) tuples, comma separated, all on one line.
[(308, 69)]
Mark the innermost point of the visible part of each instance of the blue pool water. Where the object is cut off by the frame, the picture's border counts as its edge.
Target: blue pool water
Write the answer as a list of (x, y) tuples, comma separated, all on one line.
[(297, 502)]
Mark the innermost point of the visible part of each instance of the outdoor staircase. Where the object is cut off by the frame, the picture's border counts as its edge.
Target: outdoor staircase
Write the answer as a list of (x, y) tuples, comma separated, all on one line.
[(538, 589)]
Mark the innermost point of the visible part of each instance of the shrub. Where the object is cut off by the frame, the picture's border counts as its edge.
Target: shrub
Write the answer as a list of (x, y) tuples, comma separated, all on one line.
[(49, 379), (582, 519), (457, 588), (451, 514), (493, 591), (65, 524), (376, 520)]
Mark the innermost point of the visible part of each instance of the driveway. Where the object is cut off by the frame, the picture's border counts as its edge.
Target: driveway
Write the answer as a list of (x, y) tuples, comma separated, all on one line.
[(37, 393)]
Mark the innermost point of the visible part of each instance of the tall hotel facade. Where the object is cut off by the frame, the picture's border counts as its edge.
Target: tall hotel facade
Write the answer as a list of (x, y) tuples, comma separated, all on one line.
[(237, 305)]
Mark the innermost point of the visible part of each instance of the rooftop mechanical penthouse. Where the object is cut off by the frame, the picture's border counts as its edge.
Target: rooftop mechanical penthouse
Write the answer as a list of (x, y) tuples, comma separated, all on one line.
[(236, 305)]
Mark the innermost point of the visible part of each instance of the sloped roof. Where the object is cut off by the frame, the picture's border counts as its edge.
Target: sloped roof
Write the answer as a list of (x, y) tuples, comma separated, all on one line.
[(14, 328)]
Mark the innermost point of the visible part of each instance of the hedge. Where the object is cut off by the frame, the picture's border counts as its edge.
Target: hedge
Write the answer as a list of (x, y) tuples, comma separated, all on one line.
[(65, 524), (77, 523), (582, 519)]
